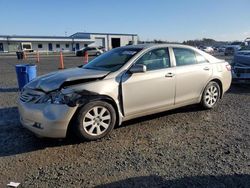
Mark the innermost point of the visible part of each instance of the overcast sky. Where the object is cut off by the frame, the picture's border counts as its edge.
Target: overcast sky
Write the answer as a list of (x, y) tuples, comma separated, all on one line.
[(172, 20)]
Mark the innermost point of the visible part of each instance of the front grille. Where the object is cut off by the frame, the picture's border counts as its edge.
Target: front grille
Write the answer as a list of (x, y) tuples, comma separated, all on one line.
[(25, 98), (30, 96), (239, 70)]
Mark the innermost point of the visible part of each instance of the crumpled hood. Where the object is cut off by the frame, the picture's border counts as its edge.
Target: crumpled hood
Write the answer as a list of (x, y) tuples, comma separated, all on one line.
[(54, 80)]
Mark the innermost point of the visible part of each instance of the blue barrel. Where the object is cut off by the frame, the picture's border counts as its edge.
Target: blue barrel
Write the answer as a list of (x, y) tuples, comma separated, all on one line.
[(25, 73)]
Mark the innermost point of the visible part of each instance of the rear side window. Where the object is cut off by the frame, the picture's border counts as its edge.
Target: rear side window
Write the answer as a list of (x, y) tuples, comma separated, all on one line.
[(155, 59), (184, 56), (200, 58)]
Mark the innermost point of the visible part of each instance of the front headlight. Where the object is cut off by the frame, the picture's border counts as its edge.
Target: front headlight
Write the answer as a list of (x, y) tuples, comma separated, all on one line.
[(60, 98), (54, 98)]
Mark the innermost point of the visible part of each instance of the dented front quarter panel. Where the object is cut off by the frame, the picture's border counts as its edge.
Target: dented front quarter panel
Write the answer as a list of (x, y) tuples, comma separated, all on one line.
[(105, 88)]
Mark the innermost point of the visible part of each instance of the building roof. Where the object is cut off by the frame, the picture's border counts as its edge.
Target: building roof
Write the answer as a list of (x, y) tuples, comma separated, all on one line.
[(86, 33), (79, 36), (30, 38)]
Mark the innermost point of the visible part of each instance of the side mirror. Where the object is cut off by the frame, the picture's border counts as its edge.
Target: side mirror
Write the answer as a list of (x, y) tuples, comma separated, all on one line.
[(138, 68)]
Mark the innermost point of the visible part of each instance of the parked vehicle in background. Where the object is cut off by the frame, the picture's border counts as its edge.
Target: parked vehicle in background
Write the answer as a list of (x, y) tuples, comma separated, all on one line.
[(26, 47), (215, 48), (241, 63), (232, 48), (207, 49), (91, 51), (119, 85), (221, 49)]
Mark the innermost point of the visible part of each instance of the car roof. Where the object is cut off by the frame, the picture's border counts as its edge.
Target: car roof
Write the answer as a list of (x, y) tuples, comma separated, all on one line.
[(152, 45), (209, 57)]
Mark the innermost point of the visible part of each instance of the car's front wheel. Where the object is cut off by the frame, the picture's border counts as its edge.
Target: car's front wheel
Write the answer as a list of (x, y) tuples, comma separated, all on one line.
[(95, 120), (211, 95)]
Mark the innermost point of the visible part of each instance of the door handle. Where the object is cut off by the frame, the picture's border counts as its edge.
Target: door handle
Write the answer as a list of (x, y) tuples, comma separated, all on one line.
[(170, 74), (206, 68)]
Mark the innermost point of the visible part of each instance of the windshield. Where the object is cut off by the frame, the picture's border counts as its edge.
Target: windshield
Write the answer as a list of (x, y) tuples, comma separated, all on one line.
[(245, 48), (236, 43), (112, 60)]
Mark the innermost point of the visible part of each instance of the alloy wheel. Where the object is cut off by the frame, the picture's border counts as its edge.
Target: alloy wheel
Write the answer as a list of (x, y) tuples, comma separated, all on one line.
[(211, 95), (97, 120)]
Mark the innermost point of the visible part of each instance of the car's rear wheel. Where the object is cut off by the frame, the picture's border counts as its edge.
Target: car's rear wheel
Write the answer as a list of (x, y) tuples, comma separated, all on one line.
[(95, 120), (211, 95)]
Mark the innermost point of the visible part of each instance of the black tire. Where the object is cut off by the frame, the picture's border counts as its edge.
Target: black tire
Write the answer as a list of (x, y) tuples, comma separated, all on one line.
[(82, 132), (213, 97), (98, 53)]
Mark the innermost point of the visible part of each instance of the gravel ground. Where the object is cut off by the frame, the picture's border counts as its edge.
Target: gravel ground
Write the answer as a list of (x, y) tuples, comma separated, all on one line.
[(187, 147)]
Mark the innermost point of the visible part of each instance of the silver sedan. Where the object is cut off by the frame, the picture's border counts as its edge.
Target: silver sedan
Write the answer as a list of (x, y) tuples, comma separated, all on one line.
[(120, 85)]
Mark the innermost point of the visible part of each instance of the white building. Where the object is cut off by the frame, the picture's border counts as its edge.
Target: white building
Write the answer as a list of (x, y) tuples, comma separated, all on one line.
[(59, 43), (108, 40)]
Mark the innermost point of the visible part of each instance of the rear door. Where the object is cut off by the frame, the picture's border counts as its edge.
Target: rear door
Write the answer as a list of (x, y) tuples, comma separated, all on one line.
[(1, 47), (193, 72), (153, 89)]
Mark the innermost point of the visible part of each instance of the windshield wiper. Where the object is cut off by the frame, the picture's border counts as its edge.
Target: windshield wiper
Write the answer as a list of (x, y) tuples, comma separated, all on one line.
[(107, 66)]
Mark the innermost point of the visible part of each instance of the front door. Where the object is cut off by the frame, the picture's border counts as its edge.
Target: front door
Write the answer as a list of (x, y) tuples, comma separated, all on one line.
[(1, 47), (50, 47), (193, 71), (77, 46), (115, 42), (152, 90)]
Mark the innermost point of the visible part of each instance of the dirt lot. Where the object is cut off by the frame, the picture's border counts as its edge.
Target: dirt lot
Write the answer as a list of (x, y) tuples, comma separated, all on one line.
[(187, 147)]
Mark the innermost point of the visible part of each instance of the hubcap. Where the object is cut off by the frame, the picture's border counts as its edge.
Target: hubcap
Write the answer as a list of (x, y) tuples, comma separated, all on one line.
[(212, 95), (97, 120)]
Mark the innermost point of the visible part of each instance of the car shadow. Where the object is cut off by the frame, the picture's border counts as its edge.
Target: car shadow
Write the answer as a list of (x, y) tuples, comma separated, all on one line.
[(5, 90), (14, 139), (186, 109), (230, 181), (239, 88)]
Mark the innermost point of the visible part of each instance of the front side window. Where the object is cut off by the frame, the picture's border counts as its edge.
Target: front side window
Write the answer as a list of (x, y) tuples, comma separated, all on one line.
[(155, 59), (184, 56), (112, 60)]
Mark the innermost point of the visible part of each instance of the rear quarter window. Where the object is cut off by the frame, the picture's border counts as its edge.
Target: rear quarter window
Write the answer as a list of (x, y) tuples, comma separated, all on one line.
[(201, 59)]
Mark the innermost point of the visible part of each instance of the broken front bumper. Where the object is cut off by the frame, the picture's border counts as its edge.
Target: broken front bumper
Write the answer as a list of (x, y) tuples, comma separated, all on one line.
[(241, 74), (46, 120)]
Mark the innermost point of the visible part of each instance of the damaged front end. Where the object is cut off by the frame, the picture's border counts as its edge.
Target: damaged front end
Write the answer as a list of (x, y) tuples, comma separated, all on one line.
[(241, 66), (48, 114), (54, 88), (68, 96)]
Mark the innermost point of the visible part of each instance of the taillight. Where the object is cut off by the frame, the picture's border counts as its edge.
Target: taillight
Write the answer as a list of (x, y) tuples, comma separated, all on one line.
[(228, 67)]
